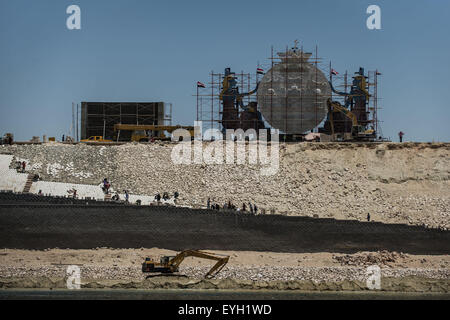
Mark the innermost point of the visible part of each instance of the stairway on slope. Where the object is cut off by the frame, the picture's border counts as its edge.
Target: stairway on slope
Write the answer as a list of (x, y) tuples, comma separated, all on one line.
[(28, 184)]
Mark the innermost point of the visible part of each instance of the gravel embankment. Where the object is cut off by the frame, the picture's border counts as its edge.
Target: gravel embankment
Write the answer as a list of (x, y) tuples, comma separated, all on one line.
[(395, 183), (258, 273)]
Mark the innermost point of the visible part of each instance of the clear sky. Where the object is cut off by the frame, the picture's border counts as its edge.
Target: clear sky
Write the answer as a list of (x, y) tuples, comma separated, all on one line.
[(143, 50)]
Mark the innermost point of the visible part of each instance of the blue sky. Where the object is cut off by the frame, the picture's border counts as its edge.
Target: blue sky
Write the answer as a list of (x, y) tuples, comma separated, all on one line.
[(138, 50)]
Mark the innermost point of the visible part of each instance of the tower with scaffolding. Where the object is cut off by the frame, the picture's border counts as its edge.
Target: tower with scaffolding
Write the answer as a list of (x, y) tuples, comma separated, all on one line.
[(223, 106), (353, 112)]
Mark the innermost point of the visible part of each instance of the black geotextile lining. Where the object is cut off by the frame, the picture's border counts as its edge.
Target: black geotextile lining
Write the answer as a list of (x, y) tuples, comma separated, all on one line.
[(37, 222)]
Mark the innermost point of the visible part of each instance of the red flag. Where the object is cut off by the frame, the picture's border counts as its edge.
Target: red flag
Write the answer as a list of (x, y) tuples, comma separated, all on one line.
[(334, 72), (259, 71), (200, 85)]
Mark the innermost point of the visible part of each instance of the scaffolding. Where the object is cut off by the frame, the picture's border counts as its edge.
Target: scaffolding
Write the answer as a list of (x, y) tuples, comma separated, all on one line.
[(344, 82), (209, 106), (296, 105), (99, 118)]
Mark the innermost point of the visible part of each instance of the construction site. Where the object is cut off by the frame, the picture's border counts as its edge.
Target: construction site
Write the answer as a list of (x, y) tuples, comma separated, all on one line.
[(108, 197)]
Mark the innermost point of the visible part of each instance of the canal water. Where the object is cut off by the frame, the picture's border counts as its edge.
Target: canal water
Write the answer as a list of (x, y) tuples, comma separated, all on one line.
[(135, 294)]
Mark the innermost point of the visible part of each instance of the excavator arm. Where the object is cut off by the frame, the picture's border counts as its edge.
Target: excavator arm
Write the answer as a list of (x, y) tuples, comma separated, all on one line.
[(336, 106), (221, 260)]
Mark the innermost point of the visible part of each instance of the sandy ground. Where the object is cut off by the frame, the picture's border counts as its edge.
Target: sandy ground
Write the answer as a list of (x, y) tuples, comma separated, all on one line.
[(130, 257), (121, 269)]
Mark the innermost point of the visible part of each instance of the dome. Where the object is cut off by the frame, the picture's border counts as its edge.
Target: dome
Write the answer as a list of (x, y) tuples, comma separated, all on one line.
[(302, 106)]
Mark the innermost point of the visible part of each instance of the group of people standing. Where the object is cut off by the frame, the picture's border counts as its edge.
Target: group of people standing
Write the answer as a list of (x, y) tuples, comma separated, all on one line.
[(20, 166), (252, 208), (166, 196)]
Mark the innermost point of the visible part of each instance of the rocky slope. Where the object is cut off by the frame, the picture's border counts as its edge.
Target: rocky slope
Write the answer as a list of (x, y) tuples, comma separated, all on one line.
[(395, 183)]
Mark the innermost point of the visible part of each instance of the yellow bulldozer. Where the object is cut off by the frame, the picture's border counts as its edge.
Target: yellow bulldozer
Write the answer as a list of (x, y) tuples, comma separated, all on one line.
[(170, 264)]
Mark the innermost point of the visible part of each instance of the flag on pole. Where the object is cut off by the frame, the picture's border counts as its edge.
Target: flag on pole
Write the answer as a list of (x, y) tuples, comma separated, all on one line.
[(334, 72), (259, 71), (200, 85)]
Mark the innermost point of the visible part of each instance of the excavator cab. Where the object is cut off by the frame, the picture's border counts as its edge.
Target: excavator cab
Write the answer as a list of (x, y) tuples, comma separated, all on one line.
[(165, 259), (162, 267)]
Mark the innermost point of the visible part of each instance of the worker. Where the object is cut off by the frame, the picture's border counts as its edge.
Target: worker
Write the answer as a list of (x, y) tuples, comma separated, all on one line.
[(106, 185), (158, 197), (251, 207), (244, 208), (74, 193), (208, 203), (23, 166), (176, 195), (368, 216), (255, 209), (400, 136), (63, 138), (127, 196), (165, 196)]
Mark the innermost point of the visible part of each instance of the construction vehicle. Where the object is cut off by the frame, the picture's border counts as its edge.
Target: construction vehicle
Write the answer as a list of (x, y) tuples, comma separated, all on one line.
[(170, 264), (145, 133), (350, 121), (95, 139), (358, 132)]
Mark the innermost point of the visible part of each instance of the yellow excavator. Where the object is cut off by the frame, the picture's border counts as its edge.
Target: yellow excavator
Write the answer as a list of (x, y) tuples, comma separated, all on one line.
[(170, 264), (358, 132)]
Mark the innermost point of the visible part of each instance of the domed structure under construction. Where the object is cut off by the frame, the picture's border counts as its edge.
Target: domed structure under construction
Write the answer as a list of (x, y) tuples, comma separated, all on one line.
[(292, 95)]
